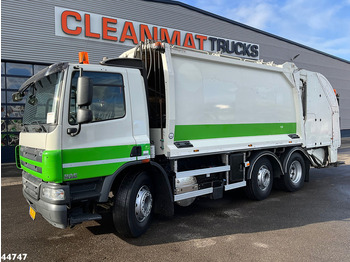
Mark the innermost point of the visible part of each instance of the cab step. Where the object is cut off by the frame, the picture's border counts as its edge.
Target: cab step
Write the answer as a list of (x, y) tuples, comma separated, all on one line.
[(77, 219)]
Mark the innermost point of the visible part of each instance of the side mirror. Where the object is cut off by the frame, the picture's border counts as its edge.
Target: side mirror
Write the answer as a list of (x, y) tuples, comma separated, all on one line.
[(84, 91), (84, 115), (16, 97), (84, 99), (32, 100)]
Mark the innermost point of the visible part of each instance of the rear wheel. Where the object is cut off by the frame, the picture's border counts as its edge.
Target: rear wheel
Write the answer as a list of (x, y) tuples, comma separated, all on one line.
[(294, 179), (260, 185), (133, 205)]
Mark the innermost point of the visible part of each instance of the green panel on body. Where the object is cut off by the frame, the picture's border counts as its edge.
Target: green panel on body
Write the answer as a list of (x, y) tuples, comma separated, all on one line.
[(89, 158), (194, 132), (32, 172), (96, 162), (85, 172), (146, 147), (95, 153), (51, 166), (88, 162)]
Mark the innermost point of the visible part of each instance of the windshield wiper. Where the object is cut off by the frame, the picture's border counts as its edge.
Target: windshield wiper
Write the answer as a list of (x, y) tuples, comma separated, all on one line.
[(25, 127), (40, 125)]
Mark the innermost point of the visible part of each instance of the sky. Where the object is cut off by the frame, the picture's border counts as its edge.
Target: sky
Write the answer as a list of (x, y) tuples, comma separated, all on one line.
[(321, 24)]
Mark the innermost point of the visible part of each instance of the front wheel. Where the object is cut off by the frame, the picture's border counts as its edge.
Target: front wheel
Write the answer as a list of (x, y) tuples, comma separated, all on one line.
[(260, 185), (133, 203)]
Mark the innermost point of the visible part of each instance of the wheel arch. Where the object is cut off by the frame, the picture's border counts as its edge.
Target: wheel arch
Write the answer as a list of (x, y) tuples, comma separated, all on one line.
[(275, 161), (288, 154), (163, 203)]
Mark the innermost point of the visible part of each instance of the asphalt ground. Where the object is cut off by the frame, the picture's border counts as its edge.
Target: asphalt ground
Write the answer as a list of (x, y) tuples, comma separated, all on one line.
[(312, 224)]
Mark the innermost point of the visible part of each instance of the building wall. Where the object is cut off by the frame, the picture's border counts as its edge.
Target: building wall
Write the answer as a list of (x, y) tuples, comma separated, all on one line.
[(12, 77), (28, 35)]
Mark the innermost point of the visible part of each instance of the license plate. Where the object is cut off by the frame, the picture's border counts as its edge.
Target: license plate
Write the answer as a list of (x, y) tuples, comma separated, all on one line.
[(32, 212)]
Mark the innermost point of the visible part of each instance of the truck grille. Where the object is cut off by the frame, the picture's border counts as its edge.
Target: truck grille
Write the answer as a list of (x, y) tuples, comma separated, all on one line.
[(33, 154), (31, 185)]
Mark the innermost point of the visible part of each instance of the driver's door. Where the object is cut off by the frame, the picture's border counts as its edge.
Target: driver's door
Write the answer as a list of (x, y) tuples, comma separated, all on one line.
[(104, 144)]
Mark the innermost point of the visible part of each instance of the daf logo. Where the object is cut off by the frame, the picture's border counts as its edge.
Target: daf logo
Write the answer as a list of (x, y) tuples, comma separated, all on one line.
[(70, 176)]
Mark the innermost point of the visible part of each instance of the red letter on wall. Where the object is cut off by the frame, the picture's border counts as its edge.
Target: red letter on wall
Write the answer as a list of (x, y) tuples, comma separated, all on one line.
[(164, 35), (64, 23), (144, 31), (176, 37), (201, 39), (189, 41), (88, 32), (106, 28), (128, 26)]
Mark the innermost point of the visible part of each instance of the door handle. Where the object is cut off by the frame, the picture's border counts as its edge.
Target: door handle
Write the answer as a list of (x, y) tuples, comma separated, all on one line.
[(136, 151)]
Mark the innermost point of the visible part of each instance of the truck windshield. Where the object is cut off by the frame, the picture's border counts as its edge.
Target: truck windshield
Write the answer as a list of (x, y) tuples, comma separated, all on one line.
[(41, 102)]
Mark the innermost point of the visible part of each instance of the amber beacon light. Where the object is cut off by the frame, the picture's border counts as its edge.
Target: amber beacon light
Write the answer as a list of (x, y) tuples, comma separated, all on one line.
[(83, 58)]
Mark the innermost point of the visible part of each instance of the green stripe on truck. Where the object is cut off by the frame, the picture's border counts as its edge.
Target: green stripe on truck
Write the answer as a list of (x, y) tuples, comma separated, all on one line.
[(82, 163), (194, 132), (85, 163)]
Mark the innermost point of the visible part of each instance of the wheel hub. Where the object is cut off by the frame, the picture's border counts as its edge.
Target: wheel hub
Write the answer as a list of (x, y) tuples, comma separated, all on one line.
[(143, 203), (264, 177), (295, 172)]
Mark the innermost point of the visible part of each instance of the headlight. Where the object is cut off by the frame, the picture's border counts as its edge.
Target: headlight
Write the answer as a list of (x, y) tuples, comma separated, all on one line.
[(53, 194)]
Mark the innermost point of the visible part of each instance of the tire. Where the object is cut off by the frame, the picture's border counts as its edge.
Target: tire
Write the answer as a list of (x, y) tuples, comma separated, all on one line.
[(294, 179), (260, 185), (132, 209)]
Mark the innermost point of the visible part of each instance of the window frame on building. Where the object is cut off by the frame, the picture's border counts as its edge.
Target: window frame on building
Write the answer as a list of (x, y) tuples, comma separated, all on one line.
[(12, 112)]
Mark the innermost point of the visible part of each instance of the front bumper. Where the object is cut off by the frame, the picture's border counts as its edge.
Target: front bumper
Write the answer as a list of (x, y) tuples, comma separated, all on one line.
[(55, 213), (76, 207)]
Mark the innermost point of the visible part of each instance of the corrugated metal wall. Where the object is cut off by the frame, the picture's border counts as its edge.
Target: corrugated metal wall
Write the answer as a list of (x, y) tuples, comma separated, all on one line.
[(28, 34)]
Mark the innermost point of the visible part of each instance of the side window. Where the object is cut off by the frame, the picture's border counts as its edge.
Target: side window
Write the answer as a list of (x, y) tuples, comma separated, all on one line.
[(108, 101)]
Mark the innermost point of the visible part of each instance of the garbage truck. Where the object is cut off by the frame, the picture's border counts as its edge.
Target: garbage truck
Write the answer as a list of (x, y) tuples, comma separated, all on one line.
[(162, 125)]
